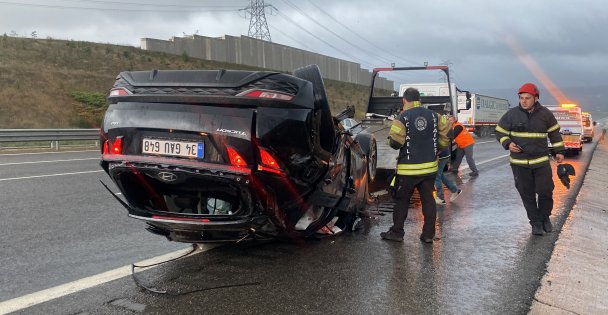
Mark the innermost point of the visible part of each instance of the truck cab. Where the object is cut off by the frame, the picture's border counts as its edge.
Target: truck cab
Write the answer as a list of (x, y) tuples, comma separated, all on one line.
[(570, 120)]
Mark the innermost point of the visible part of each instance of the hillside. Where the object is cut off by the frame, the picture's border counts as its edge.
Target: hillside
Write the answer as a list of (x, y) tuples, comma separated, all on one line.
[(46, 83)]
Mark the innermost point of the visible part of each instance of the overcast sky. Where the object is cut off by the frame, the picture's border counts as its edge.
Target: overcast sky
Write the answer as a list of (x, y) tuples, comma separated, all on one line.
[(488, 44)]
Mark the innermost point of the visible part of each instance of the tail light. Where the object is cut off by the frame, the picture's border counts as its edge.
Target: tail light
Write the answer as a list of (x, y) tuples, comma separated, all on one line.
[(268, 163), (119, 92), (235, 158), (113, 147), (106, 147), (117, 145), (270, 95)]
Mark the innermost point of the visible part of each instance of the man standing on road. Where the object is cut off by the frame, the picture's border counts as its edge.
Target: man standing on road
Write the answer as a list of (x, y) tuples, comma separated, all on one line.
[(464, 142), (418, 133), (523, 130)]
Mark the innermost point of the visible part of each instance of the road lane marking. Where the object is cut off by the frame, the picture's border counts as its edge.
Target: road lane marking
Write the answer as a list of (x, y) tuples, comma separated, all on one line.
[(50, 161), (492, 141), (384, 192), (46, 295), (484, 162), (35, 153), (49, 175)]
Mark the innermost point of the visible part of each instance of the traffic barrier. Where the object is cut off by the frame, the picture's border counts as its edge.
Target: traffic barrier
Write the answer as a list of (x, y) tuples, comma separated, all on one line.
[(52, 135)]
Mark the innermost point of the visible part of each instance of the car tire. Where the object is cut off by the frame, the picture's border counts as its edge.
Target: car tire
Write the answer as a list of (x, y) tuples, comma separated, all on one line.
[(312, 73), (327, 134), (349, 221), (360, 209), (372, 161)]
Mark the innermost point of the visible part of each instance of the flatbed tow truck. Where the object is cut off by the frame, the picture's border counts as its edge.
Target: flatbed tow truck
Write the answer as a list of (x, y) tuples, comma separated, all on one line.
[(382, 110)]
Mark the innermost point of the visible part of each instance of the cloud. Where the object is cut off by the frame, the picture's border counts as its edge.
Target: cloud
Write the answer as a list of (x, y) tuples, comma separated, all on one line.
[(565, 38)]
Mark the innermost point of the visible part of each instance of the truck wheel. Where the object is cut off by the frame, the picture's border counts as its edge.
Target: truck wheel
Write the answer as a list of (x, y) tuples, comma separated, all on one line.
[(327, 131)]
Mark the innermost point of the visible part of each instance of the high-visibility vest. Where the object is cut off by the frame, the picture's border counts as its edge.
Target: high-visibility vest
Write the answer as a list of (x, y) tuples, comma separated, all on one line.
[(464, 139)]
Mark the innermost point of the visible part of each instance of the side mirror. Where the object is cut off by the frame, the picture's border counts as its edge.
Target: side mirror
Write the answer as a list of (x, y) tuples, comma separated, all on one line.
[(595, 123), (468, 94)]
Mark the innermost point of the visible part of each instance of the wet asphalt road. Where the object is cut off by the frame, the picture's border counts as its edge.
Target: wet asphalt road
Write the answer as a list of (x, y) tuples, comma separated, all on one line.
[(485, 262)]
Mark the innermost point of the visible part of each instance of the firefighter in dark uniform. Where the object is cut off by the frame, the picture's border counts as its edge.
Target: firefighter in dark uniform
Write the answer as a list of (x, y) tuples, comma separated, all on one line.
[(419, 134), (523, 130)]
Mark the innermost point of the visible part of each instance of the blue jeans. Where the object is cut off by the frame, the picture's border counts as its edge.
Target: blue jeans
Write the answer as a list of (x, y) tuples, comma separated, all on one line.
[(442, 178)]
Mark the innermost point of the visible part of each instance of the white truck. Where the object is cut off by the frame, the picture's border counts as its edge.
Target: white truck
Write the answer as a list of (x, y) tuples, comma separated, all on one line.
[(569, 118), (483, 115)]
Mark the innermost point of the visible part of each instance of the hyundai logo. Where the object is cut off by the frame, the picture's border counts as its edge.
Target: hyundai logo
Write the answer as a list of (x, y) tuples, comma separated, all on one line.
[(167, 176)]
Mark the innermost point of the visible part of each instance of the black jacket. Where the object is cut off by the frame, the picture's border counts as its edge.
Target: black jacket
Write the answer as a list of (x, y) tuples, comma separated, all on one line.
[(529, 130)]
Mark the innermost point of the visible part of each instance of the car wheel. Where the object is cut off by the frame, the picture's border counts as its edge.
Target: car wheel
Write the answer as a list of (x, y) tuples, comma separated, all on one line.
[(327, 131), (372, 161), (361, 209), (349, 221)]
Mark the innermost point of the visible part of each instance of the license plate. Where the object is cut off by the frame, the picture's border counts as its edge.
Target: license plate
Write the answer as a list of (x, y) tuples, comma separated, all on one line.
[(173, 148)]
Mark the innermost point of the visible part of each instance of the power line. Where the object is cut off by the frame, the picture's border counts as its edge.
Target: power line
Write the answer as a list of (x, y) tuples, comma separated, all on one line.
[(156, 5), (302, 45), (329, 30), (359, 36), (282, 15), (122, 9)]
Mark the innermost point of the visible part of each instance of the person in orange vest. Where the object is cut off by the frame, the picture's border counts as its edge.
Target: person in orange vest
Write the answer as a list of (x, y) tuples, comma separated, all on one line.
[(464, 142)]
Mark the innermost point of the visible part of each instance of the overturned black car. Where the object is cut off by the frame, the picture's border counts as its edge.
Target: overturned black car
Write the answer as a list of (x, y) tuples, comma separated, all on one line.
[(207, 156)]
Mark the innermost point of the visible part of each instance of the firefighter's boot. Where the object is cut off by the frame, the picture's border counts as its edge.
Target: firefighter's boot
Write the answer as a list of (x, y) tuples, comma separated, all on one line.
[(537, 228)]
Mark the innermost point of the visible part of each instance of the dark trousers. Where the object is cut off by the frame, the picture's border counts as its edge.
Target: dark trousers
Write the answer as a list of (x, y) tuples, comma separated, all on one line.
[(531, 182), (404, 186), (464, 152)]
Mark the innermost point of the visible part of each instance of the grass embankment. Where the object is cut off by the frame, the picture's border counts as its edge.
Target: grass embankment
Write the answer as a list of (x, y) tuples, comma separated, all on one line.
[(46, 83)]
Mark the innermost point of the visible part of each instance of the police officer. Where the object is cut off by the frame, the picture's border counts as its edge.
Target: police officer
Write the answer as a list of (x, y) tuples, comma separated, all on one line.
[(523, 130), (418, 133)]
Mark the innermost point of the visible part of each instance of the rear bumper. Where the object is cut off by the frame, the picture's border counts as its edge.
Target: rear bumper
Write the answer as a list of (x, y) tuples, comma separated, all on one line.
[(190, 230)]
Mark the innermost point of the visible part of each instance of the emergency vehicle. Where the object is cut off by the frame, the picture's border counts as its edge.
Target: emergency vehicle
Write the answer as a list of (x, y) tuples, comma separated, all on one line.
[(588, 126), (570, 120)]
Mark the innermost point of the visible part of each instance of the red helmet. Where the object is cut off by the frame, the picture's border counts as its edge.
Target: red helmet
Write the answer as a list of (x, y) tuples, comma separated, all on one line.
[(529, 88)]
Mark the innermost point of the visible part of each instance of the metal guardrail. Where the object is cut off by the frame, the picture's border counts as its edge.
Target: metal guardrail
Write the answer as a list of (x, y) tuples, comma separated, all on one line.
[(25, 135)]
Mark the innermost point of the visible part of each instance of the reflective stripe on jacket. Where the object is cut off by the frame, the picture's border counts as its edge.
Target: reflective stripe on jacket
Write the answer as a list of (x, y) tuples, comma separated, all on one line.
[(529, 130), (464, 138)]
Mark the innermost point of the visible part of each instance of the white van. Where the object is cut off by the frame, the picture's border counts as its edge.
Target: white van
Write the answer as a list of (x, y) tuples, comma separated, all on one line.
[(588, 126)]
